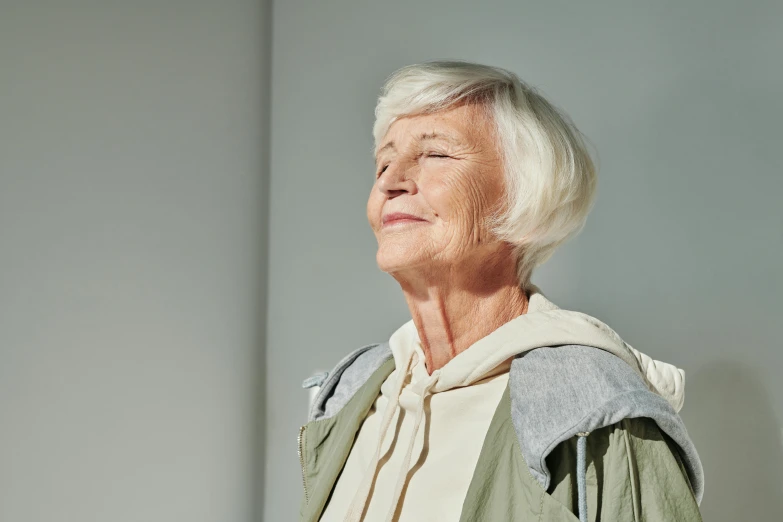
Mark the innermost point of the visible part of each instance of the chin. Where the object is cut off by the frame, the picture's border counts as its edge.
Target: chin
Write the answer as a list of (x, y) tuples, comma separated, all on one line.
[(393, 262)]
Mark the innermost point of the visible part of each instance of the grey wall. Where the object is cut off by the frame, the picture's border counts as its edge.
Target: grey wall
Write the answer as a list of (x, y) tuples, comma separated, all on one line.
[(681, 255), (132, 256)]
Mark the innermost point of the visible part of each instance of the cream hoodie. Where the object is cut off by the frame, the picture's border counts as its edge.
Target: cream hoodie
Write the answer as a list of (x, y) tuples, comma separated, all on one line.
[(437, 422)]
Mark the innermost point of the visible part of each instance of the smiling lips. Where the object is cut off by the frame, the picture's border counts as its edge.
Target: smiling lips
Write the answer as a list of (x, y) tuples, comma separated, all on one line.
[(400, 217)]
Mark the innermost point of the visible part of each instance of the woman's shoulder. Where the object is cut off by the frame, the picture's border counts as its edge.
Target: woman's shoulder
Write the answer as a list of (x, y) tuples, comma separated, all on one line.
[(561, 391), (634, 471), (339, 385)]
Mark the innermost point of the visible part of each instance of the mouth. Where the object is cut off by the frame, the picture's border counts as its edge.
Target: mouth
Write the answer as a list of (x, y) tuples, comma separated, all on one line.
[(399, 218)]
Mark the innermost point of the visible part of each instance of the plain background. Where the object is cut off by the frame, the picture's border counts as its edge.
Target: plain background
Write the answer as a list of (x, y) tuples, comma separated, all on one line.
[(183, 236), (133, 179)]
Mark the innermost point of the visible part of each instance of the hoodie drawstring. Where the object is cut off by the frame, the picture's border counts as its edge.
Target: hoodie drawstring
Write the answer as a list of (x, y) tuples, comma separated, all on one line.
[(360, 499), (403, 474), (581, 473)]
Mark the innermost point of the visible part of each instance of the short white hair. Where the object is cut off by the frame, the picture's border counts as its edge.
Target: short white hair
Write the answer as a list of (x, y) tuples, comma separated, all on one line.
[(550, 176)]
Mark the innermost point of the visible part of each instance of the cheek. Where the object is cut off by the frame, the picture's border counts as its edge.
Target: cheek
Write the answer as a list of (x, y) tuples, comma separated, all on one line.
[(457, 199), (463, 200), (440, 199)]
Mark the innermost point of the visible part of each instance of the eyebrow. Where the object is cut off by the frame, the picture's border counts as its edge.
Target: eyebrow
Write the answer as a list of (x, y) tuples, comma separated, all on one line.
[(424, 136)]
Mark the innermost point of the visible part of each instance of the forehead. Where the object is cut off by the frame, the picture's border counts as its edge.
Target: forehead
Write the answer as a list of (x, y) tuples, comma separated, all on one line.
[(462, 124)]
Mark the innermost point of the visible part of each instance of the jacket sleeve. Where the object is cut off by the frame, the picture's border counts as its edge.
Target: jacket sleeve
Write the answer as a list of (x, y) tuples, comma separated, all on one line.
[(634, 473)]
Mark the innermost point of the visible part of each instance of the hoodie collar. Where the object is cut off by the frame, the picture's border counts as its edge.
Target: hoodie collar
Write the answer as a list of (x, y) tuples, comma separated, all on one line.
[(544, 324)]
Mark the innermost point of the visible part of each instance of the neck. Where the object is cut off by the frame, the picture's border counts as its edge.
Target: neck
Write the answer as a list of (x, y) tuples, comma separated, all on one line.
[(453, 308)]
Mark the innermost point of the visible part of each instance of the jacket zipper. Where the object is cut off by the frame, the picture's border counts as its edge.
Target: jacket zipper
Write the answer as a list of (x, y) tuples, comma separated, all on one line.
[(300, 441)]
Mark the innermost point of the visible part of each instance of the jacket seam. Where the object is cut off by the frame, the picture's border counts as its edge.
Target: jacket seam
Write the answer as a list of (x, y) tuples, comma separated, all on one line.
[(633, 477), (540, 504)]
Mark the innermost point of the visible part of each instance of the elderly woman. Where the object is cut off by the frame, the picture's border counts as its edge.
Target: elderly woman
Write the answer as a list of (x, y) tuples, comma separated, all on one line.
[(491, 403)]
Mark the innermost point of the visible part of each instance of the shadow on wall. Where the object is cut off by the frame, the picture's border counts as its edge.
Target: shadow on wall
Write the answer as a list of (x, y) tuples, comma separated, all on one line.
[(740, 443)]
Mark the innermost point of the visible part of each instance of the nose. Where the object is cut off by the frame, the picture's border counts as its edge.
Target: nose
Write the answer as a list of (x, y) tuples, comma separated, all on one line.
[(396, 180)]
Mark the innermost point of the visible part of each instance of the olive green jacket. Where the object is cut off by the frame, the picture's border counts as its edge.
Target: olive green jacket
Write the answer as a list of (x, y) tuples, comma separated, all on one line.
[(639, 464)]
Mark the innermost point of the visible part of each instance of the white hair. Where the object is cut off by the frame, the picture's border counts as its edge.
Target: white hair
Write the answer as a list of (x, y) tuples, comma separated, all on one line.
[(550, 176)]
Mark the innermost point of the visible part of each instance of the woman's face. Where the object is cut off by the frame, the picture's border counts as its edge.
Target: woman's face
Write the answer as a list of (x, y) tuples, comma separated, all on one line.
[(443, 169)]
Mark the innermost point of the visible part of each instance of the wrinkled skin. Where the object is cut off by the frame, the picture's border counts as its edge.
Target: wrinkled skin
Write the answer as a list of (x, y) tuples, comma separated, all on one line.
[(458, 279)]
